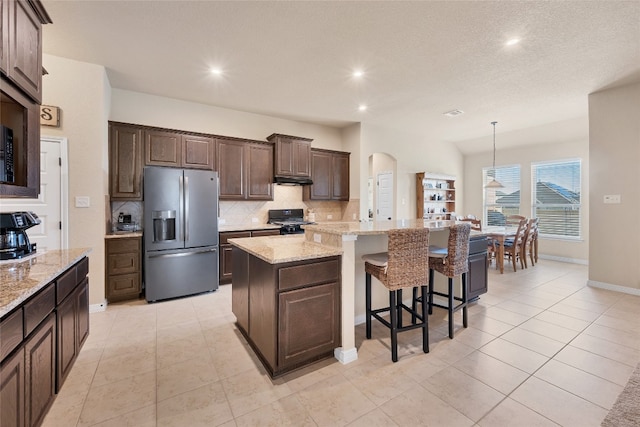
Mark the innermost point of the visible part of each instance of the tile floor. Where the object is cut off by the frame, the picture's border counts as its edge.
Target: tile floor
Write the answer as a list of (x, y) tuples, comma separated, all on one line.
[(542, 349)]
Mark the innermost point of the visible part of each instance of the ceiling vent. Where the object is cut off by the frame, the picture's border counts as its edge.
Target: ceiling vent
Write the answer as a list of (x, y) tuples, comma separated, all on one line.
[(453, 113)]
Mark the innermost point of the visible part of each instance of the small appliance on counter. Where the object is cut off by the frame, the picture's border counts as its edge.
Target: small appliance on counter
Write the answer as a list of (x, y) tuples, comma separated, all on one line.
[(14, 242), (289, 220)]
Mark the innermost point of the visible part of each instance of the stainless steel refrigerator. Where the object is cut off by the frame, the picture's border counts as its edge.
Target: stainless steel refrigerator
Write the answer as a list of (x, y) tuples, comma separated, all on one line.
[(180, 232)]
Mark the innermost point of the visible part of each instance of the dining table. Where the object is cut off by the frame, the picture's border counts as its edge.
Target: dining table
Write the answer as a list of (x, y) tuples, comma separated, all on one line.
[(500, 234)]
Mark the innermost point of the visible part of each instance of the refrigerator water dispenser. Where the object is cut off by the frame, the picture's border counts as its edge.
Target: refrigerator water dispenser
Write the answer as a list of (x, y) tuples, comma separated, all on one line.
[(164, 225)]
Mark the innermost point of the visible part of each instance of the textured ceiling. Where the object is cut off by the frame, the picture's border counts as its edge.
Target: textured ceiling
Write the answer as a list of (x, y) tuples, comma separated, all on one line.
[(294, 60)]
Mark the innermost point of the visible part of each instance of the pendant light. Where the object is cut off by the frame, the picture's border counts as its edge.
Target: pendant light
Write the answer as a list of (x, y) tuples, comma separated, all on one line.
[(493, 183)]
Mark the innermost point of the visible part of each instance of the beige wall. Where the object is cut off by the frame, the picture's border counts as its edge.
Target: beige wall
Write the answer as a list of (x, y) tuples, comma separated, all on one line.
[(413, 153), (81, 90), (573, 251), (614, 146)]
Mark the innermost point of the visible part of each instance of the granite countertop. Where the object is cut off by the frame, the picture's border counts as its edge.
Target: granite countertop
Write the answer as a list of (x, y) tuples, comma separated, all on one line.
[(19, 279), (375, 227), (247, 227), (287, 248), (121, 234)]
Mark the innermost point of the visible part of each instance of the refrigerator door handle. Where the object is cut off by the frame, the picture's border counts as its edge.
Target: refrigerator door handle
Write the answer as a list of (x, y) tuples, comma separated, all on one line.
[(186, 209), (181, 254), (181, 186)]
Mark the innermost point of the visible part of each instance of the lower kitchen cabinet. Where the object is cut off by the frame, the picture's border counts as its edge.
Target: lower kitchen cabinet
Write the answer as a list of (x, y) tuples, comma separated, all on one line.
[(226, 257), (39, 342), (123, 273), (289, 312)]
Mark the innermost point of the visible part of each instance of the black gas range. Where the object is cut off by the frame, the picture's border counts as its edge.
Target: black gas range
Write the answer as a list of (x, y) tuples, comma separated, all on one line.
[(289, 220)]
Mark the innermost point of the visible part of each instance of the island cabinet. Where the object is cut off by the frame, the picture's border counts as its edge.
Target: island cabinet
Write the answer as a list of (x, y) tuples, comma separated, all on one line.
[(226, 253), (292, 156), (123, 272), (245, 169), (330, 176), (39, 341), (21, 93), (478, 275), (289, 312)]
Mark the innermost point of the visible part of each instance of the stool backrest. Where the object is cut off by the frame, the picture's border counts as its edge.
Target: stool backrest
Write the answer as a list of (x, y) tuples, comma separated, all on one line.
[(457, 260), (408, 264)]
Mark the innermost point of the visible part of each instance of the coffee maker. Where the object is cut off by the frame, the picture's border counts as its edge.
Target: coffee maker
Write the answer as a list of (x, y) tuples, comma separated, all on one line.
[(14, 242)]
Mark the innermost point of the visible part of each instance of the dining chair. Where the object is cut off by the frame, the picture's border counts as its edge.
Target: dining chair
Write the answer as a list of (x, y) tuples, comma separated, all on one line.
[(404, 265), (513, 246), (530, 240), (513, 220), (476, 224)]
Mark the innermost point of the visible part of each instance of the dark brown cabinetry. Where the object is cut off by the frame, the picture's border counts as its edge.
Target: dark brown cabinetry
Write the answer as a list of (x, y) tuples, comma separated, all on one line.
[(290, 312), (477, 277), (39, 342), (292, 156), (125, 162), (173, 149), (123, 276), (21, 90), (245, 169), (226, 258), (330, 176)]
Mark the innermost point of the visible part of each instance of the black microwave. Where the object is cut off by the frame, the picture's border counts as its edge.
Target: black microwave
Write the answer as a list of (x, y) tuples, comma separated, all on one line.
[(6, 155)]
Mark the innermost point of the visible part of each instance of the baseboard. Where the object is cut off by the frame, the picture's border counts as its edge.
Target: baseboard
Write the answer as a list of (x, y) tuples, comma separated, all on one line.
[(615, 288), (95, 308), (564, 259), (345, 356)]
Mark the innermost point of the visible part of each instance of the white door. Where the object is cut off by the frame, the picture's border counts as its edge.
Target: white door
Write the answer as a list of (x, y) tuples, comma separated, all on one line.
[(48, 206), (384, 195)]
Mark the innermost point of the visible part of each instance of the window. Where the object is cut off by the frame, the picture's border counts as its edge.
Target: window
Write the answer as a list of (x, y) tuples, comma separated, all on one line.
[(500, 202), (555, 194)]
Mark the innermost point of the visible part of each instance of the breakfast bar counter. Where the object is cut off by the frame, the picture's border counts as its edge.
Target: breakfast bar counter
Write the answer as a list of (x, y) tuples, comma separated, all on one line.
[(360, 238)]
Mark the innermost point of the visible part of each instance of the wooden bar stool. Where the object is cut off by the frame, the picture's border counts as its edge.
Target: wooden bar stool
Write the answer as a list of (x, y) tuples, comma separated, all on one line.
[(451, 262), (405, 265)]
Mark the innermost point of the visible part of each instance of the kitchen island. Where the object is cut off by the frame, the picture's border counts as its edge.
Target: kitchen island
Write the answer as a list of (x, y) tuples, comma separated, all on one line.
[(286, 299), (351, 240)]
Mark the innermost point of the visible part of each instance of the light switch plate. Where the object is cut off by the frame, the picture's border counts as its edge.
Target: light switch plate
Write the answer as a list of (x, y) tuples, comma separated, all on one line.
[(83, 201), (612, 199)]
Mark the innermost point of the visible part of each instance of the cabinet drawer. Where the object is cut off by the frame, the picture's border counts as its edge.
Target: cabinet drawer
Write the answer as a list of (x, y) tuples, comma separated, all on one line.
[(308, 274), (224, 237), (123, 286), (82, 269), (123, 245), (477, 246), (65, 284), (123, 263), (38, 308), (260, 233), (11, 330)]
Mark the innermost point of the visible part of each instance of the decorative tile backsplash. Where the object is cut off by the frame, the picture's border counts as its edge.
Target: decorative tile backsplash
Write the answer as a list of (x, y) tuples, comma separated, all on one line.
[(244, 212)]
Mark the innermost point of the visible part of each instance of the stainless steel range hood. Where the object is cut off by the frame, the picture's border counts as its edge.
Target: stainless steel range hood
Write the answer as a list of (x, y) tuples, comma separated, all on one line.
[(292, 180)]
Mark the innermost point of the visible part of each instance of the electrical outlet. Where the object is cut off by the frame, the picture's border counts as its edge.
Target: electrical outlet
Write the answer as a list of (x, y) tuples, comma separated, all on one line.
[(612, 199), (83, 201), (317, 238), (355, 216), (329, 216)]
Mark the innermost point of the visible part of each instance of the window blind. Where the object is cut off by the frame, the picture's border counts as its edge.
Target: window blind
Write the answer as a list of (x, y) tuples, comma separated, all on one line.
[(555, 195), (501, 202)]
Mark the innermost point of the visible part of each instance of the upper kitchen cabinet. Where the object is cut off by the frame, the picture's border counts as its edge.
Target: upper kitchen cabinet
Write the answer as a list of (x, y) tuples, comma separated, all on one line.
[(174, 149), (20, 96), (125, 162), (245, 169), (330, 176), (292, 158)]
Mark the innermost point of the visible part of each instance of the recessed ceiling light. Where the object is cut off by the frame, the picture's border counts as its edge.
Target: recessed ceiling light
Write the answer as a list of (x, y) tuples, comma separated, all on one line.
[(453, 113), (358, 73), (362, 107), (216, 71), (512, 42)]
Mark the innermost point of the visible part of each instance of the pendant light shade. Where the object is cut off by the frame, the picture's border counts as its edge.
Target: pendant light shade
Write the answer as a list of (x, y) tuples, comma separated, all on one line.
[(493, 183)]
